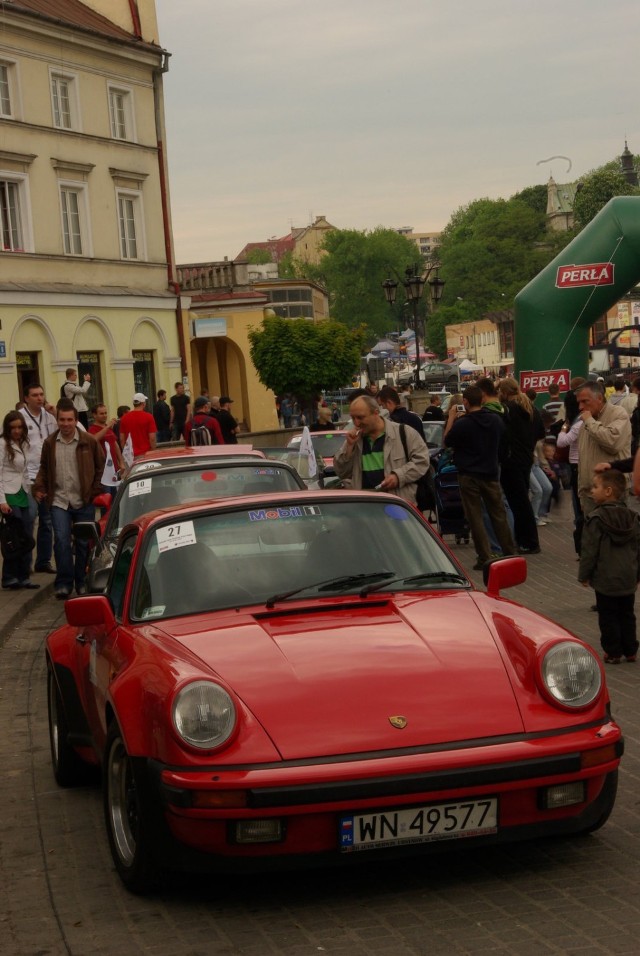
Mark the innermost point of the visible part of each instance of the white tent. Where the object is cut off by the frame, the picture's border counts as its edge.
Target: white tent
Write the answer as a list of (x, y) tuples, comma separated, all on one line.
[(467, 366)]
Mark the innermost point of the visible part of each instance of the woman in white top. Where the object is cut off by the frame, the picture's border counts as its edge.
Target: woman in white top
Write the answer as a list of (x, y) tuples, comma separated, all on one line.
[(15, 495)]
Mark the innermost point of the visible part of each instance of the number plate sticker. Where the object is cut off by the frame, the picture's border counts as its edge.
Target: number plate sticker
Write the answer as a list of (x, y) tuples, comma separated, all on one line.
[(442, 821), (140, 487), (175, 536)]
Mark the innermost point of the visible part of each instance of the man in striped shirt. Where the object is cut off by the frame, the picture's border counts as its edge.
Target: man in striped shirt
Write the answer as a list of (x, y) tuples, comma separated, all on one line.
[(373, 456)]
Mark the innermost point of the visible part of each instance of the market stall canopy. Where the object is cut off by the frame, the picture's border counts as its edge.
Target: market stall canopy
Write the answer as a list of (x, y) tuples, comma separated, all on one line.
[(467, 366), (385, 345)]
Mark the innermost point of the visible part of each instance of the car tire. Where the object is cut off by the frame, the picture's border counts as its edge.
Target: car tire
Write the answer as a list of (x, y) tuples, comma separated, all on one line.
[(130, 817), (68, 768)]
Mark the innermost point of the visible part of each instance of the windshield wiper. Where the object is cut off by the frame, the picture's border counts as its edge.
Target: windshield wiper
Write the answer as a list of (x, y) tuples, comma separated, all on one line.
[(426, 576), (332, 584)]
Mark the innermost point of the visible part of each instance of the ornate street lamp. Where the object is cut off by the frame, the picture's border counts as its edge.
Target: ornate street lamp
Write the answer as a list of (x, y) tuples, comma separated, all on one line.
[(414, 285), (437, 288)]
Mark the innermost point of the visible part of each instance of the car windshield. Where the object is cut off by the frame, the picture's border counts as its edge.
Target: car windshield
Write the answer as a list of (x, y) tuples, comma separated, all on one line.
[(267, 554), (325, 445), (150, 490)]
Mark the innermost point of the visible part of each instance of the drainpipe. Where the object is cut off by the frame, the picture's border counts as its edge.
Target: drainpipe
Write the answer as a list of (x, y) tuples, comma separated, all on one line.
[(171, 278), (135, 19)]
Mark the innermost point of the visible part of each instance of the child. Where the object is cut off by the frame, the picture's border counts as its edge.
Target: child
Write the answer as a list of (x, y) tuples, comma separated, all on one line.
[(610, 563)]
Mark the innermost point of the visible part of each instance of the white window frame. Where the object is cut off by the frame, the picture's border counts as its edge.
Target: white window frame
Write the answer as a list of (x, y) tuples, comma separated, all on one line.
[(21, 183), (71, 79), (130, 133), (66, 187), (12, 92), (135, 197)]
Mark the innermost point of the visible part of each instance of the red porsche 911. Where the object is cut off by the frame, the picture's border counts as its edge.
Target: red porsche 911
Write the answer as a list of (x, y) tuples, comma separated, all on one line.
[(311, 676)]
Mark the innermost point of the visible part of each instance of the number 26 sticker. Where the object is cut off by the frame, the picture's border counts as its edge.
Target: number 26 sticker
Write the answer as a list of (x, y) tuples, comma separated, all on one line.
[(175, 536)]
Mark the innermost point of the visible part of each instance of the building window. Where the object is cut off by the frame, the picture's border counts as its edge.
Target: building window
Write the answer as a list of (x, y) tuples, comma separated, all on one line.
[(144, 379), (64, 101), (7, 93), (11, 216), (74, 220), (121, 113), (130, 224)]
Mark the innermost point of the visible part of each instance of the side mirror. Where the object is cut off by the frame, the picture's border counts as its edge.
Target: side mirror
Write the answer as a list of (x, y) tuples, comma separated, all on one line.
[(504, 573), (87, 531), (90, 611)]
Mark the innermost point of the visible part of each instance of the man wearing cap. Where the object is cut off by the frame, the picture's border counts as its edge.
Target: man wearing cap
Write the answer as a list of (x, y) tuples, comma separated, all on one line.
[(202, 416), (141, 425), (227, 422)]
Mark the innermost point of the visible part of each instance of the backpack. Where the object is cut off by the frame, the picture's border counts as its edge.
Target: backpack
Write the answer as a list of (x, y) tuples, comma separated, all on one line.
[(200, 435), (63, 394), (425, 493)]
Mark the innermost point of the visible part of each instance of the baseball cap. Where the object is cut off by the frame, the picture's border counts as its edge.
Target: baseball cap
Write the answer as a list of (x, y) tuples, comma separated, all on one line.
[(139, 398), (225, 400), (201, 401)]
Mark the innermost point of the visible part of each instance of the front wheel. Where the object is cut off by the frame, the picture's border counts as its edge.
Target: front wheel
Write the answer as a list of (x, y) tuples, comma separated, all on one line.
[(129, 817), (68, 769)]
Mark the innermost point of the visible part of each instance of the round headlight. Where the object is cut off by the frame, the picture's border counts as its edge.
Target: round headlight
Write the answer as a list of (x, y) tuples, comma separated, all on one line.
[(571, 674), (204, 714)]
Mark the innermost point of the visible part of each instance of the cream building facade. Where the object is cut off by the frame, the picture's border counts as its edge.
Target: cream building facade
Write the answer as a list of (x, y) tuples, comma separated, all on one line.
[(477, 341), (86, 262)]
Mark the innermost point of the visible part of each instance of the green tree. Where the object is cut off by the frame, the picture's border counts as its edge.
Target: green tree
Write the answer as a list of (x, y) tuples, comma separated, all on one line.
[(353, 268), (300, 357), (596, 189), (491, 249), (258, 257)]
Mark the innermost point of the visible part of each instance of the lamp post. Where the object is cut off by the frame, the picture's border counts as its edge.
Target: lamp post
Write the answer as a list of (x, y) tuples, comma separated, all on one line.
[(414, 285)]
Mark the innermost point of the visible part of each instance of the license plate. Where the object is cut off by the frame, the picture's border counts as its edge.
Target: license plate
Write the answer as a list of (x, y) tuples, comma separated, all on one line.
[(441, 821)]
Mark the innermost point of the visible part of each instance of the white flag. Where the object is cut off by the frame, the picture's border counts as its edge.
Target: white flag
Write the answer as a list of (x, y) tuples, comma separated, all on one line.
[(306, 448), (109, 476), (127, 452)]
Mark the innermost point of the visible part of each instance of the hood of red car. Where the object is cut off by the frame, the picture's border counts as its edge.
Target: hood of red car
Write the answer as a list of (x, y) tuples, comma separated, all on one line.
[(362, 675)]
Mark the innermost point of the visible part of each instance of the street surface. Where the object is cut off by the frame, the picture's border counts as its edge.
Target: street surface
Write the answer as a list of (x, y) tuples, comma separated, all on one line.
[(59, 893)]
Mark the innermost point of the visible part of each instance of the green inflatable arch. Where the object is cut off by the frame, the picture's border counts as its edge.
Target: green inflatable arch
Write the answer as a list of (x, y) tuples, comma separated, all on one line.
[(554, 312)]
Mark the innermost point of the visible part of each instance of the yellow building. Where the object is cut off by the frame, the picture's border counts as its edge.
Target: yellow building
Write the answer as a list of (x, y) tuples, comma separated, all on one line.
[(86, 263), (479, 342), (308, 240)]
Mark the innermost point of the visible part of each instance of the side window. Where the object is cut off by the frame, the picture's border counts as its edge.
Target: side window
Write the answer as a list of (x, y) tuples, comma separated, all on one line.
[(120, 575)]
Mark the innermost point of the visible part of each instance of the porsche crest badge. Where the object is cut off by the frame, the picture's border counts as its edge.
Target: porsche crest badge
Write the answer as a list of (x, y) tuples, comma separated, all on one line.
[(398, 722)]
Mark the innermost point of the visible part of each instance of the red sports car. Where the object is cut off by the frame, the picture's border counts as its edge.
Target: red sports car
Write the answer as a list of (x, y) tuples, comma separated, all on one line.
[(312, 675)]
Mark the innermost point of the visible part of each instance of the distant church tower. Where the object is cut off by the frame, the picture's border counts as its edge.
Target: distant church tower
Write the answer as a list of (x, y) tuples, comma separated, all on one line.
[(628, 169)]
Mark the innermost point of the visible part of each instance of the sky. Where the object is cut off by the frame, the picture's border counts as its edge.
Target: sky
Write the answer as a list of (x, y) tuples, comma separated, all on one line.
[(383, 112)]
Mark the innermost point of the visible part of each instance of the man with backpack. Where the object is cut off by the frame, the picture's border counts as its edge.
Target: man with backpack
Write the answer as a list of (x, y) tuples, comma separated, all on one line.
[(203, 428)]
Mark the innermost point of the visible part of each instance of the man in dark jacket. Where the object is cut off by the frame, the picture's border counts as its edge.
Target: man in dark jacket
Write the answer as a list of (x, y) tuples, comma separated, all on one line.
[(388, 398), (475, 439), (69, 478)]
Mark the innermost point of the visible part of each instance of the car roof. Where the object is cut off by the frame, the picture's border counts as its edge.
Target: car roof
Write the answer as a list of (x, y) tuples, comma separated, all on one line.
[(179, 465), (200, 451), (274, 500)]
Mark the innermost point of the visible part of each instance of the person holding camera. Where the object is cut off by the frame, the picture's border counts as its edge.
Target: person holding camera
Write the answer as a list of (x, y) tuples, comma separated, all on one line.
[(475, 435)]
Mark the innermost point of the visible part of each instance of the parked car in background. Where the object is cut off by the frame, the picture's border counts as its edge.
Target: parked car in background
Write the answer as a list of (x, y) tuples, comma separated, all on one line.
[(175, 481), (312, 676)]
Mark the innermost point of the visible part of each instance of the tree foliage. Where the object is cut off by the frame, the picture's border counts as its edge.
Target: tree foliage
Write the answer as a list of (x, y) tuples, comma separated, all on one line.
[(490, 250), (353, 268), (258, 257), (597, 189), (300, 357)]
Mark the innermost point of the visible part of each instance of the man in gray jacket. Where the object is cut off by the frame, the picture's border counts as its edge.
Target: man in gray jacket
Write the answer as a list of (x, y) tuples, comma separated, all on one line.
[(373, 456)]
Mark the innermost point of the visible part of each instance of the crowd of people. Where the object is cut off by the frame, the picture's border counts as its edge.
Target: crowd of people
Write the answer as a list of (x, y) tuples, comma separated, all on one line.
[(513, 460), (56, 460)]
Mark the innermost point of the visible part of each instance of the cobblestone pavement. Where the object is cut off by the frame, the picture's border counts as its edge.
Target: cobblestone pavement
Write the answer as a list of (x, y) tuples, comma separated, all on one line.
[(59, 893)]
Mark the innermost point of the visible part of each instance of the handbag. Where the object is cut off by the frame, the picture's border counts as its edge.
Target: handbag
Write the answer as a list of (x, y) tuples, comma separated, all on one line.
[(15, 541)]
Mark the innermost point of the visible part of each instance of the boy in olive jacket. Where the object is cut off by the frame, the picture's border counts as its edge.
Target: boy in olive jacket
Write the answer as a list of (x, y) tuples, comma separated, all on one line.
[(610, 563)]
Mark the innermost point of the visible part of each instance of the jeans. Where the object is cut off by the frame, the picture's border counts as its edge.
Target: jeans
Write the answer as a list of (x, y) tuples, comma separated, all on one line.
[(474, 492), (488, 527), (69, 572), (44, 540), (541, 490), (16, 570)]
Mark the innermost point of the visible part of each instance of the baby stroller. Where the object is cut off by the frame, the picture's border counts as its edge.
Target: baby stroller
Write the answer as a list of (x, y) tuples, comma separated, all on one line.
[(450, 517)]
